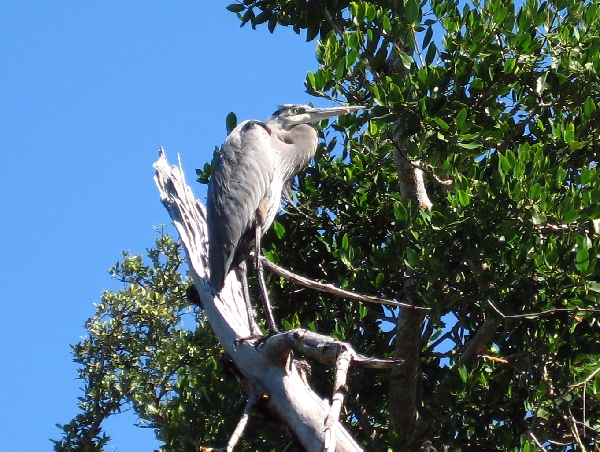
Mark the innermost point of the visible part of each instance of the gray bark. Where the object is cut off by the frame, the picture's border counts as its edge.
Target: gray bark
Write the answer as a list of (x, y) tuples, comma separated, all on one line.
[(405, 391), (274, 378)]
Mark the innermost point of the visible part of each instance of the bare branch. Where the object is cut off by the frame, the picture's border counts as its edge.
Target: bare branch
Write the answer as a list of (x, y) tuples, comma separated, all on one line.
[(537, 442), (271, 377), (587, 380), (573, 425), (326, 350), (239, 429), (532, 315), (417, 165), (340, 391), (330, 288)]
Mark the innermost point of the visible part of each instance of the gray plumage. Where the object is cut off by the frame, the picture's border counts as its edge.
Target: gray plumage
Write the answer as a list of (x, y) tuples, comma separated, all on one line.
[(256, 161)]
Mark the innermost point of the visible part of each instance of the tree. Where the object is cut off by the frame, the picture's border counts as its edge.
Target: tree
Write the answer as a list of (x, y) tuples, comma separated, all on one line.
[(469, 188)]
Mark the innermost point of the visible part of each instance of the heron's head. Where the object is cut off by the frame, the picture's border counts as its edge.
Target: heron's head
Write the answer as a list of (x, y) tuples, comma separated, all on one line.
[(289, 115)]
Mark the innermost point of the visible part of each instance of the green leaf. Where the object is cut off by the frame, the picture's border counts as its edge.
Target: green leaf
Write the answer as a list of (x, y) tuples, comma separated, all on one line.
[(235, 7), (582, 259), (345, 241), (230, 122), (569, 215), (461, 117), (463, 372), (589, 107), (504, 163), (591, 11), (538, 217), (477, 83), (430, 55), (371, 12), (471, 145), (407, 60), (535, 192), (587, 175), (311, 33), (500, 15), (412, 11), (569, 133), (427, 38), (279, 229), (400, 211), (594, 286), (310, 80), (340, 69), (463, 198), (412, 258), (443, 124), (509, 65), (385, 23), (351, 57)]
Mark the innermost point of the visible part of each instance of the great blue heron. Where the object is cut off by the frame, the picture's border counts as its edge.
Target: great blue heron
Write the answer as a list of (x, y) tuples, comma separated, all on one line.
[(255, 163)]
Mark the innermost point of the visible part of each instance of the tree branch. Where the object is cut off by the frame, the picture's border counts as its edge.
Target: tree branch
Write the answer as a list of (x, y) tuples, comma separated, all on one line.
[(532, 315), (286, 395), (405, 392), (330, 288)]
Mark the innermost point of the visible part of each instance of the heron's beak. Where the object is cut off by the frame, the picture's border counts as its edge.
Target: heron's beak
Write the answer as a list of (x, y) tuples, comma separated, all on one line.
[(318, 114)]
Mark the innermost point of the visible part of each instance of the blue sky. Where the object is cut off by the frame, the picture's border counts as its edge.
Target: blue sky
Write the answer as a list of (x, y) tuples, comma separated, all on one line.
[(88, 92)]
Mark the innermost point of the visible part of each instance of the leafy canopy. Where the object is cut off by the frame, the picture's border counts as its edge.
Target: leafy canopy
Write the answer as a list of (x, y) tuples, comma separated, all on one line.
[(498, 102)]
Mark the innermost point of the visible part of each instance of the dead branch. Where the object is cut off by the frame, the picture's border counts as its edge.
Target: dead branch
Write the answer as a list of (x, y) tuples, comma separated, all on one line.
[(330, 288), (326, 350), (273, 379), (340, 391), (533, 315), (239, 429)]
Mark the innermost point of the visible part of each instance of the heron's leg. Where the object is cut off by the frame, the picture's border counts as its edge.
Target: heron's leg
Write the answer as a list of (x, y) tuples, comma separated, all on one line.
[(243, 272), (263, 285)]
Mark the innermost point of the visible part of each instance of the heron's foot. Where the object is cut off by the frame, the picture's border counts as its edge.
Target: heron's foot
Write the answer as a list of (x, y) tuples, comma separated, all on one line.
[(258, 340)]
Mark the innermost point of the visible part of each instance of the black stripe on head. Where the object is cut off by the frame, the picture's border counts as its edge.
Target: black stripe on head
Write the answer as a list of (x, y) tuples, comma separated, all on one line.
[(285, 109)]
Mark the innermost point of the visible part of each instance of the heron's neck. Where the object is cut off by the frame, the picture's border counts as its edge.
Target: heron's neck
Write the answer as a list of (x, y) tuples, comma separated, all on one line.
[(294, 148)]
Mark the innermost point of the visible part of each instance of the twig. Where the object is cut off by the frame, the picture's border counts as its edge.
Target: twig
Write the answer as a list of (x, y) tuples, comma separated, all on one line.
[(239, 429), (370, 432), (584, 384), (575, 430), (473, 347), (587, 380), (537, 442), (242, 424), (541, 313), (414, 164), (330, 288), (340, 390), (532, 425)]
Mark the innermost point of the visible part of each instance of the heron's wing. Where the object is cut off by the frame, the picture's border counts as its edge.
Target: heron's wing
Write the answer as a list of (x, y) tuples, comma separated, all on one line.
[(241, 178)]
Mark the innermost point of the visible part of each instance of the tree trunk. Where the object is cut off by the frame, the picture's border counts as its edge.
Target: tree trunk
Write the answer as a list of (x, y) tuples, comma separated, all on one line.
[(405, 389), (274, 379)]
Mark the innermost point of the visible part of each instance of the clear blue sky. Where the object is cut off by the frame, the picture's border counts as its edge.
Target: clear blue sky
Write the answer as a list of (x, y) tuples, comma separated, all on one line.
[(88, 92)]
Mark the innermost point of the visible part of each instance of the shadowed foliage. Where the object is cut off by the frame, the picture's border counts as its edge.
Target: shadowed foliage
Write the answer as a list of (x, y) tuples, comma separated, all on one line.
[(497, 102)]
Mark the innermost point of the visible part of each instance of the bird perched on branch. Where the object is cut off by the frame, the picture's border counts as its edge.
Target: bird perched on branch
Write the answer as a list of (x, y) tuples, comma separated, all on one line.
[(256, 161)]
